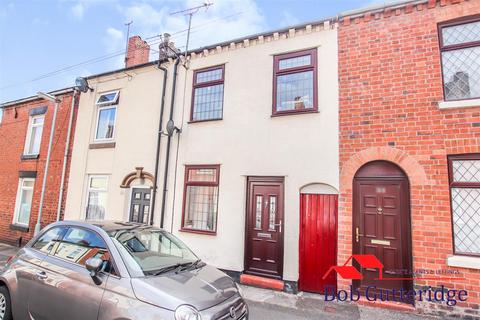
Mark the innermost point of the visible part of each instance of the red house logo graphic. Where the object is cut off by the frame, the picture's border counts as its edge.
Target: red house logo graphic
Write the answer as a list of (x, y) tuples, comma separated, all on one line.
[(350, 272)]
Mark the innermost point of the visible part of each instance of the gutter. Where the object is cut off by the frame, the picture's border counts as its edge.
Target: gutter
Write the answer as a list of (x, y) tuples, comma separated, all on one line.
[(169, 142), (159, 139), (65, 155), (35, 97)]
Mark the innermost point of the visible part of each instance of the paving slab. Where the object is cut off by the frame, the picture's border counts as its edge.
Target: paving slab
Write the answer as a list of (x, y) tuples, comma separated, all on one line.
[(266, 304)]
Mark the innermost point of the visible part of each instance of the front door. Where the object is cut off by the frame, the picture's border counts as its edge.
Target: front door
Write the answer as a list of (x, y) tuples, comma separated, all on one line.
[(264, 230), (381, 227), (140, 205)]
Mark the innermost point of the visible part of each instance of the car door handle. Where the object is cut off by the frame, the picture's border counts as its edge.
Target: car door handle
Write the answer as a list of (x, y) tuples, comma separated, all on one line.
[(42, 275)]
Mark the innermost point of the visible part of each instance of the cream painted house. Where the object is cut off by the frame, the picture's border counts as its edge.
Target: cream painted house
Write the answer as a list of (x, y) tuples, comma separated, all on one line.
[(254, 142)]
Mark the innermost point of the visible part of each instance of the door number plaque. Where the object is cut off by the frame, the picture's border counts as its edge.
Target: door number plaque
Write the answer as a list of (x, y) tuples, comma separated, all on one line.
[(264, 235), (381, 242)]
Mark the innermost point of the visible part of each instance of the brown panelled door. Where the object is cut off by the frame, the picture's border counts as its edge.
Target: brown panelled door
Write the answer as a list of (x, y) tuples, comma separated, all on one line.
[(264, 229), (381, 224), (318, 241)]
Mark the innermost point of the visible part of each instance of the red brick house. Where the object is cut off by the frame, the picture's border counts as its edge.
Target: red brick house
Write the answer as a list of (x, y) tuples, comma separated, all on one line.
[(25, 127), (410, 146)]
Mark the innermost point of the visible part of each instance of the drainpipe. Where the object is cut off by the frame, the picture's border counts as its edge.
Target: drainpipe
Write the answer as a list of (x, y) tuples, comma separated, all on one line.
[(169, 141), (159, 139), (47, 162), (65, 155)]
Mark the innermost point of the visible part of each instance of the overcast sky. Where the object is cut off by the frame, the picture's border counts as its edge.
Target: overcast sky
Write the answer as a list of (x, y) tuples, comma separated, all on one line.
[(38, 37)]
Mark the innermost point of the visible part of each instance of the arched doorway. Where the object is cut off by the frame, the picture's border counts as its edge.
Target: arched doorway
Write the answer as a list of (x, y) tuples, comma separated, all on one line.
[(381, 224), (318, 237)]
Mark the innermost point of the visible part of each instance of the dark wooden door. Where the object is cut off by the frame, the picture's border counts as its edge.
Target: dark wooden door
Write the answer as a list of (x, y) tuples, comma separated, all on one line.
[(318, 241), (140, 205), (264, 230), (381, 227)]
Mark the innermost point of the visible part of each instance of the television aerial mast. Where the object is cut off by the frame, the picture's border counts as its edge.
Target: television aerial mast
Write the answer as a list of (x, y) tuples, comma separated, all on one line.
[(190, 12)]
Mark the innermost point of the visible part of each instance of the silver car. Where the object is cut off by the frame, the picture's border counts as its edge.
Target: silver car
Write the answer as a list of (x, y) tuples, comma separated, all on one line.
[(114, 270)]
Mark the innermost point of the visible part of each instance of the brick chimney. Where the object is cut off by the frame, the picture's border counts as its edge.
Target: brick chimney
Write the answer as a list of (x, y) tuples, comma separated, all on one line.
[(138, 51)]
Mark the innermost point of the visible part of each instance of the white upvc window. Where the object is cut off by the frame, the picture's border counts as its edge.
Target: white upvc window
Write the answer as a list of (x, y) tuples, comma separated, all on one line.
[(23, 204), (96, 197), (1, 114), (106, 116), (34, 135)]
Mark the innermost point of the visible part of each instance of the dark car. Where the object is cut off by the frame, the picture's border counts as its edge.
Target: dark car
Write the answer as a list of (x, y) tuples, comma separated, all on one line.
[(114, 270)]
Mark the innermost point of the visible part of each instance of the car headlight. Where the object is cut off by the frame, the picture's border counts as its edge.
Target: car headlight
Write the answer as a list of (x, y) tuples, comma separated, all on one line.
[(185, 312)]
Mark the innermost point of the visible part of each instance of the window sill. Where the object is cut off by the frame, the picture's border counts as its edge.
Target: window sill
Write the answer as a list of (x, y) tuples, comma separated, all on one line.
[(293, 112), (29, 156), (207, 120), (102, 145), (471, 103), (210, 233), (464, 262), (19, 227)]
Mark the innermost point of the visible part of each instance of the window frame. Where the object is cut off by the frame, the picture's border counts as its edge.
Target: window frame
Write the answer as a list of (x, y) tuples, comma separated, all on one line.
[(453, 184), (28, 138), (104, 103), (453, 47), (2, 111), (313, 52), (89, 180), (187, 183), (20, 190), (196, 85)]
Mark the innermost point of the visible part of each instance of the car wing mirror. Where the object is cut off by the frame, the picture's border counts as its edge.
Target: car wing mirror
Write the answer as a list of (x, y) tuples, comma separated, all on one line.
[(94, 266)]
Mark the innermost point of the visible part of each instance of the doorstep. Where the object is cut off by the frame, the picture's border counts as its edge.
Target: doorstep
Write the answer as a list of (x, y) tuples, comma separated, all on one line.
[(391, 305), (262, 282)]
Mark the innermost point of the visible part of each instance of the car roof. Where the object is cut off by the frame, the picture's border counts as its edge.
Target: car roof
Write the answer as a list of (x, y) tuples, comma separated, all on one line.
[(111, 226)]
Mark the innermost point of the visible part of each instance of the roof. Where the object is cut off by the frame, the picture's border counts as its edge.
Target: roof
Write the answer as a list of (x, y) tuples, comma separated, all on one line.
[(35, 97), (110, 225), (378, 7)]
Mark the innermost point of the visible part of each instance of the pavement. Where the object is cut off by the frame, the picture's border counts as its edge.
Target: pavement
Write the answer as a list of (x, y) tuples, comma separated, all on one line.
[(267, 304)]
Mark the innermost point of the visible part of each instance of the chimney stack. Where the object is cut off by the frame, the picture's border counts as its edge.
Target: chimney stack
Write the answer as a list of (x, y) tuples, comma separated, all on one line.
[(138, 52)]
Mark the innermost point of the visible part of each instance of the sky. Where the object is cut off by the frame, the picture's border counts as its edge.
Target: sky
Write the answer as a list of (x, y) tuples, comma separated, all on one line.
[(46, 44)]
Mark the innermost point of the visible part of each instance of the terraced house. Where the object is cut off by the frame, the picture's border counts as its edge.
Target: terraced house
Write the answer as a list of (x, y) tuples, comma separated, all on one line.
[(26, 127), (220, 148), (409, 78)]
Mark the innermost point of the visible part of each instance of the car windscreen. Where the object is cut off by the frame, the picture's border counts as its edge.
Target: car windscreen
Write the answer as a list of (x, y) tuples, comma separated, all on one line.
[(152, 251)]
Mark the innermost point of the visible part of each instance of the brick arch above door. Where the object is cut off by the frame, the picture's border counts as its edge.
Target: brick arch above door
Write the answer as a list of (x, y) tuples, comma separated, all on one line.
[(415, 172), (137, 174)]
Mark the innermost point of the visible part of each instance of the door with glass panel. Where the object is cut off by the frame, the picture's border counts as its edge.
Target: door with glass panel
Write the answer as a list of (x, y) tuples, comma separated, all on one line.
[(140, 205), (264, 236)]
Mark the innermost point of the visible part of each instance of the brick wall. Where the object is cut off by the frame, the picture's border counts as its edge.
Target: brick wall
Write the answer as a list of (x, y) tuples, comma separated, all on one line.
[(138, 52), (13, 132), (390, 83)]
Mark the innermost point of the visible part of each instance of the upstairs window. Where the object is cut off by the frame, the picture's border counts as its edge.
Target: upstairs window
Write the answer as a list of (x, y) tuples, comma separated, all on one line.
[(106, 116), (460, 50), (1, 115), (207, 101), (201, 199), (465, 196), (295, 82), (34, 135)]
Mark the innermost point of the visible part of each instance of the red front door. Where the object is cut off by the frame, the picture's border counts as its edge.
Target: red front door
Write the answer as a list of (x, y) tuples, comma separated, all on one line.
[(318, 241), (264, 234)]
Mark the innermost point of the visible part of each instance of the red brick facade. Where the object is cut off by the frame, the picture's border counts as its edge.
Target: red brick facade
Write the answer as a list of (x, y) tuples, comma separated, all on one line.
[(13, 132), (390, 85), (138, 52)]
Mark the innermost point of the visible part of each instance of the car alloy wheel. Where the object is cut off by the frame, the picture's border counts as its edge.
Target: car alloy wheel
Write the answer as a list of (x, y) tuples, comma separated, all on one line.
[(3, 306)]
